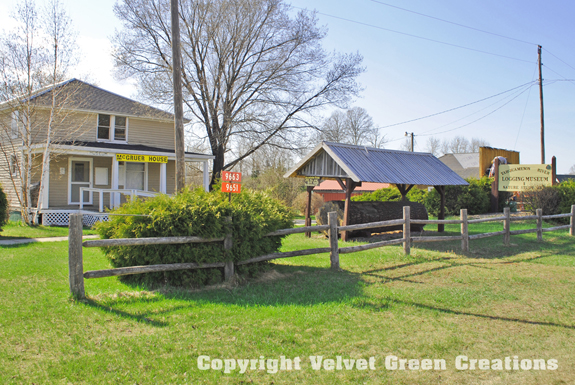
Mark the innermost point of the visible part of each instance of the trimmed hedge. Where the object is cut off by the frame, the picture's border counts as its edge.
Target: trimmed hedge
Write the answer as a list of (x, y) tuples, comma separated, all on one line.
[(194, 213), (3, 208), (391, 194)]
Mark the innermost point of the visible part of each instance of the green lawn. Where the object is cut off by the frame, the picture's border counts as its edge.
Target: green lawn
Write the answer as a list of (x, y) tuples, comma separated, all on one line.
[(494, 302), (20, 230)]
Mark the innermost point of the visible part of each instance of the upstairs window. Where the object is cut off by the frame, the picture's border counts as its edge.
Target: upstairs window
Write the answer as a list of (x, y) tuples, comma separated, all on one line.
[(104, 127), (112, 128), (15, 125), (120, 128)]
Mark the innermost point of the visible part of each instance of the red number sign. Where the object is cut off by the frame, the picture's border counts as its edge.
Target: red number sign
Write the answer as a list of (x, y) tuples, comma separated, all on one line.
[(231, 187), (232, 176)]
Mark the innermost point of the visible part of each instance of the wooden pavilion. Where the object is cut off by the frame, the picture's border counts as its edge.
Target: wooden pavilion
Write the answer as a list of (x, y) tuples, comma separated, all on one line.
[(351, 165)]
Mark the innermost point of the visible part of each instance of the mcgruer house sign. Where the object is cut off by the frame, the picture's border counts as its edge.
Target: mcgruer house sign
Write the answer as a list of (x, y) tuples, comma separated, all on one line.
[(522, 177)]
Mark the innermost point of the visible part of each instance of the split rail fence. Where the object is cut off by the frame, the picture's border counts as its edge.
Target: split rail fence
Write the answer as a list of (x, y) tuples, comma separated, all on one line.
[(77, 274)]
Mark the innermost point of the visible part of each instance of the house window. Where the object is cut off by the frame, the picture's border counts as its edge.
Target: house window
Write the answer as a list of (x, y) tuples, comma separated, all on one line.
[(114, 128), (135, 176), (120, 128), (104, 127), (14, 125), (13, 165)]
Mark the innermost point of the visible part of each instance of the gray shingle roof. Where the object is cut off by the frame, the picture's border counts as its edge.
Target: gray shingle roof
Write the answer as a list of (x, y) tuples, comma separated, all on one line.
[(367, 164), (76, 94)]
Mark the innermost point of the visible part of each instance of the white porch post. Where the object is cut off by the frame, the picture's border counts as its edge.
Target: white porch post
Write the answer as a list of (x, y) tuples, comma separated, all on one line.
[(163, 178), (115, 197), (46, 186), (206, 176)]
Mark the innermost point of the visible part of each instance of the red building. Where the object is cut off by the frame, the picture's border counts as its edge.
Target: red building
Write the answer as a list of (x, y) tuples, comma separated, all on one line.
[(330, 190)]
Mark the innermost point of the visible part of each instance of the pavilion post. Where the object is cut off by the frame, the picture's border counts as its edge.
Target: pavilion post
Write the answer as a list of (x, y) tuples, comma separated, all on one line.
[(441, 191), (349, 187), (308, 210), (553, 170), (495, 187)]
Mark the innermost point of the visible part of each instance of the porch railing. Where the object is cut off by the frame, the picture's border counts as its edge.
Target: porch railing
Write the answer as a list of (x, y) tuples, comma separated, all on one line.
[(131, 192)]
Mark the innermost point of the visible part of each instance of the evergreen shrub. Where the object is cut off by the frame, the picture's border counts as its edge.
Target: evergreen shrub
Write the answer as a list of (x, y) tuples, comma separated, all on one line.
[(194, 213), (391, 194), (474, 198)]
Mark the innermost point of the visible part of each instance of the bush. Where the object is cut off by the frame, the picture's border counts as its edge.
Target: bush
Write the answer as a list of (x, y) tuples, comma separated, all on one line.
[(551, 199), (3, 209), (301, 202), (566, 192), (474, 198), (194, 213), (391, 194)]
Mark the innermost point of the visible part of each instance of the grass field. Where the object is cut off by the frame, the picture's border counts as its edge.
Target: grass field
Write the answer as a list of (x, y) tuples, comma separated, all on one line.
[(492, 303), (20, 230)]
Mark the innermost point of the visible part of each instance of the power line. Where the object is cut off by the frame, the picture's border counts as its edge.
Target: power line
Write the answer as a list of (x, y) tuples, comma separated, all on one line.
[(524, 109), (453, 23), (556, 57), (557, 73), (456, 108), (484, 116), (419, 37), (476, 112)]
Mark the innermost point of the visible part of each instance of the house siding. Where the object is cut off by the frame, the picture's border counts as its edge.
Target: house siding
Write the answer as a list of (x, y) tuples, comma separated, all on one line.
[(151, 133)]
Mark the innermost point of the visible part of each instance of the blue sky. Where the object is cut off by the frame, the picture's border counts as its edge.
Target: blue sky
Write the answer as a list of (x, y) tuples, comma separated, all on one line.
[(408, 77)]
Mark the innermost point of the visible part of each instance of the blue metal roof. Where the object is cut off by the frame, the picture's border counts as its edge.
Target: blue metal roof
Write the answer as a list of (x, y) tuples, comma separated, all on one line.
[(368, 164)]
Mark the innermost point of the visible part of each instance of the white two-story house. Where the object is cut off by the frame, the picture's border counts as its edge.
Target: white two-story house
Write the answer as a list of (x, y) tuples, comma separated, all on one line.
[(105, 146)]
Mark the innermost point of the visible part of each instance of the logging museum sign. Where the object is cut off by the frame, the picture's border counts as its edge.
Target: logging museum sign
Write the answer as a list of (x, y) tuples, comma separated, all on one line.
[(522, 177)]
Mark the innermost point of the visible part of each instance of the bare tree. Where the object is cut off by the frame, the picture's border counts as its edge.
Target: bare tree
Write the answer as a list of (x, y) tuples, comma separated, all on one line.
[(360, 125), (459, 145), (433, 146), (476, 143), (249, 69), (406, 144), (34, 57), (572, 170), (355, 126), (334, 128)]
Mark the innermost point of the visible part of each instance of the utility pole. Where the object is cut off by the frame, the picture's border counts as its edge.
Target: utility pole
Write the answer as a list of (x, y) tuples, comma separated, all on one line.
[(541, 107), (178, 104), (410, 134)]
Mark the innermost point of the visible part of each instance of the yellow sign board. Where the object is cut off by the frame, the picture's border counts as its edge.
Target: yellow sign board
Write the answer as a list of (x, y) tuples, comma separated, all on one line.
[(522, 177), (142, 158), (312, 181)]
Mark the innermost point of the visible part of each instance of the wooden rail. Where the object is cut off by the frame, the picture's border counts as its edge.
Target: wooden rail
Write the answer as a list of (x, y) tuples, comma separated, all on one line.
[(76, 274)]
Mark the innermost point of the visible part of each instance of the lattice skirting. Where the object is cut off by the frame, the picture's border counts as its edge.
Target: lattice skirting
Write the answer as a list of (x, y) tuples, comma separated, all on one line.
[(63, 218)]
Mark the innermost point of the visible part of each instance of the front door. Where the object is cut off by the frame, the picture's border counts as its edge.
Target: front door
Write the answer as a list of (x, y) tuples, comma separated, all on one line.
[(80, 176)]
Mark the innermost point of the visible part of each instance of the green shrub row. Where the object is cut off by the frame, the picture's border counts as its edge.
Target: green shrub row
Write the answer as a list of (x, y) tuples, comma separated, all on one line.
[(552, 200), (194, 213), (475, 197)]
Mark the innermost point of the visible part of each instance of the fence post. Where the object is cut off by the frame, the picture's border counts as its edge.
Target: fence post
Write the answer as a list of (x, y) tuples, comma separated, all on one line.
[(406, 230), (333, 233), (572, 219), (507, 226), (75, 263), (539, 224), (228, 242), (464, 231)]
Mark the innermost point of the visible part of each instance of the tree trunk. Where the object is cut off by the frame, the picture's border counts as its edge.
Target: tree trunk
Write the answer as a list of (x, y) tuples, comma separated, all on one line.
[(218, 165)]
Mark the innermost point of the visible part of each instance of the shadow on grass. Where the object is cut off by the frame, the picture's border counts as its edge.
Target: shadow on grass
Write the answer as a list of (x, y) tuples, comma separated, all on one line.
[(124, 314), (280, 286), (388, 301)]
